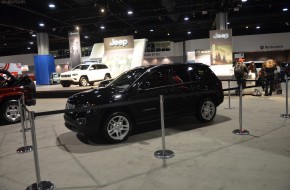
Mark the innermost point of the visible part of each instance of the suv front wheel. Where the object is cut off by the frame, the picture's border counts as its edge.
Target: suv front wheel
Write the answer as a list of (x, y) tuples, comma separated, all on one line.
[(206, 111), (117, 127), (10, 112), (83, 81)]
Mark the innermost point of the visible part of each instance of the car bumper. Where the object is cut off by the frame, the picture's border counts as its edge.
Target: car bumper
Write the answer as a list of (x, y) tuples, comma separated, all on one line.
[(83, 126)]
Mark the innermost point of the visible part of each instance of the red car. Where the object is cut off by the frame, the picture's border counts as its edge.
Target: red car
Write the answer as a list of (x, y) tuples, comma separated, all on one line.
[(11, 90)]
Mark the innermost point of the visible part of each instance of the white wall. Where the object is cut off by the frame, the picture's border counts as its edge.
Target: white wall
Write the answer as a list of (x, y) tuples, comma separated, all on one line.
[(24, 59)]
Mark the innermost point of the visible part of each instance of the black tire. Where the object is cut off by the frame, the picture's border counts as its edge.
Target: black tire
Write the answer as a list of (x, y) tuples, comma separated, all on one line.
[(107, 77), (10, 112), (206, 111), (83, 81), (117, 127), (65, 85)]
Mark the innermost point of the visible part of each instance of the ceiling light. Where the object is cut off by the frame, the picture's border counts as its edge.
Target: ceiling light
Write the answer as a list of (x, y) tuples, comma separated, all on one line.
[(247, 27), (258, 27), (28, 47), (102, 10), (33, 35), (188, 32), (102, 27), (41, 24), (236, 9), (168, 34), (136, 31), (130, 12), (244, 0), (5, 44), (31, 43), (186, 18), (51, 5), (77, 28), (204, 12), (151, 30), (228, 23), (86, 37), (285, 9)]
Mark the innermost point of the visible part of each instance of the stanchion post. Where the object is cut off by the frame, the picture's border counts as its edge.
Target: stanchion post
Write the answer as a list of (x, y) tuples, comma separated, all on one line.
[(163, 154), (39, 185), (241, 131), (229, 95), (25, 148), (26, 129), (286, 115)]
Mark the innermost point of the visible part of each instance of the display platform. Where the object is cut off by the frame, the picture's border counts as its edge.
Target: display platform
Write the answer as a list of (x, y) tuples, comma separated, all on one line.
[(57, 91)]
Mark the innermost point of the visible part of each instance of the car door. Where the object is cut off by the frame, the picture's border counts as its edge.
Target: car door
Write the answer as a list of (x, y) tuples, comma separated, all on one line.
[(154, 84), (97, 72)]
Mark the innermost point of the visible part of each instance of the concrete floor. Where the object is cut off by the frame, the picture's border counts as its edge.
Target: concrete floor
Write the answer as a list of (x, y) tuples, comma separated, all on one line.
[(207, 156)]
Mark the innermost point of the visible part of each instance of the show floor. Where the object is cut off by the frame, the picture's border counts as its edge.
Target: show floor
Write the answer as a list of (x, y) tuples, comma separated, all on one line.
[(207, 156)]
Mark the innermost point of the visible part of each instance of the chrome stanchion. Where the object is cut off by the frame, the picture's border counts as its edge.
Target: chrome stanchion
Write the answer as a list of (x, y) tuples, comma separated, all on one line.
[(39, 185), (25, 148), (163, 154), (241, 131), (286, 115), (26, 129), (229, 96)]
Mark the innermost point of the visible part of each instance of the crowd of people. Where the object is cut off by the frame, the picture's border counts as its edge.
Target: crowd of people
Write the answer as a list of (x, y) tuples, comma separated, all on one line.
[(269, 77)]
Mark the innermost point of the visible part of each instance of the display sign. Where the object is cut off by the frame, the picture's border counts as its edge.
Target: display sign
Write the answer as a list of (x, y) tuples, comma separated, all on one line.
[(14, 68), (121, 42), (221, 47), (75, 48)]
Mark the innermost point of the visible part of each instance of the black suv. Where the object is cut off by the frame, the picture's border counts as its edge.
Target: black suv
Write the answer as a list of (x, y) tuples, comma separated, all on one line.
[(133, 98)]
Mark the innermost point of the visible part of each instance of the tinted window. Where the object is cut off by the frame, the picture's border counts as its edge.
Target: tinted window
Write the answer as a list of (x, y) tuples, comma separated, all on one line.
[(198, 73), (158, 78), (180, 74)]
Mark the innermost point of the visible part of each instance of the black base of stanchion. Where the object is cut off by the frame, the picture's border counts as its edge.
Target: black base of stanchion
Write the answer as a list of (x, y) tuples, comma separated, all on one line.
[(43, 185), (285, 115), (164, 154), (24, 149), (241, 132)]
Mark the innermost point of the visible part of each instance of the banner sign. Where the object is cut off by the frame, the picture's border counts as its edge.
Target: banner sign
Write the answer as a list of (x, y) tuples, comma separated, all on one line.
[(221, 47), (121, 42), (75, 48), (13, 68)]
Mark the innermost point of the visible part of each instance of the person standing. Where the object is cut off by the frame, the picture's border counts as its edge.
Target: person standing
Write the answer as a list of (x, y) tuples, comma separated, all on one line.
[(269, 67), (241, 72)]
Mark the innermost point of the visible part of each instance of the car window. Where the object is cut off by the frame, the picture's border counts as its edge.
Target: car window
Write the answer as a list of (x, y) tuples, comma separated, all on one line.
[(81, 67), (180, 74), (158, 78), (198, 73)]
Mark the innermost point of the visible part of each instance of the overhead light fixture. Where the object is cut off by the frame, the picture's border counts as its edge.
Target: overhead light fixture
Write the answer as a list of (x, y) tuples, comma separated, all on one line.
[(28, 47), (228, 23), (151, 30), (130, 12), (102, 27), (5, 44), (51, 5), (188, 32), (236, 9), (285, 9), (244, 0), (136, 31), (247, 27), (31, 43), (41, 24), (86, 37), (168, 34), (186, 18), (102, 10), (287, 23), (258, 27), (33, 35), (77, 28), (204, 12)]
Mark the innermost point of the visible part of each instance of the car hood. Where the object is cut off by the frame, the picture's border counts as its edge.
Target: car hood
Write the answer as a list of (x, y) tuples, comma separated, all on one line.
[(97, 96)]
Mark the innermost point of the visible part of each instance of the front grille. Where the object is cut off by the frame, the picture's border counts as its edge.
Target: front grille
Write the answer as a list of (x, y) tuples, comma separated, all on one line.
[(64, 76)]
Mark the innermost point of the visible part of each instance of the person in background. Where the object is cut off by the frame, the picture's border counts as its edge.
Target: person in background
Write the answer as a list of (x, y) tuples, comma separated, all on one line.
[(252, 68), (241, 72), (269, 66)]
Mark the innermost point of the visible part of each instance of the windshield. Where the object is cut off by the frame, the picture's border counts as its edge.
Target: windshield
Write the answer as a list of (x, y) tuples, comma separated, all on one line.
[(81, 67), (126, 79)]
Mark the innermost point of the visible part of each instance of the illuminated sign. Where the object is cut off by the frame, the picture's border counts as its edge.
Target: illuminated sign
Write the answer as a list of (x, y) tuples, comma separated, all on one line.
[(221, 36), (119, 42)]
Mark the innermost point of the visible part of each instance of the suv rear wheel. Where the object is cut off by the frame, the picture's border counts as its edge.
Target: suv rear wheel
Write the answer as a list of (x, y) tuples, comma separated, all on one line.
[(206, 111), (83, 81), (107, 77), (10, 112), (117, 127)]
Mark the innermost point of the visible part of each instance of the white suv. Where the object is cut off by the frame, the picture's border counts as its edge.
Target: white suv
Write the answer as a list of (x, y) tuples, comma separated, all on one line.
[(84, 74)]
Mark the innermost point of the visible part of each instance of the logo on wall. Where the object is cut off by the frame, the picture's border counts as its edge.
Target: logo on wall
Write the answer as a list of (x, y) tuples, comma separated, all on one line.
[(221, 36), (119, 42), (271, 47)]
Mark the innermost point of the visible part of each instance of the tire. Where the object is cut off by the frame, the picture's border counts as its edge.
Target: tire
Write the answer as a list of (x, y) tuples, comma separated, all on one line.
[(65, 85), (10, 112), (206, 111), (83, 81), (117, 127), (107, 77)]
